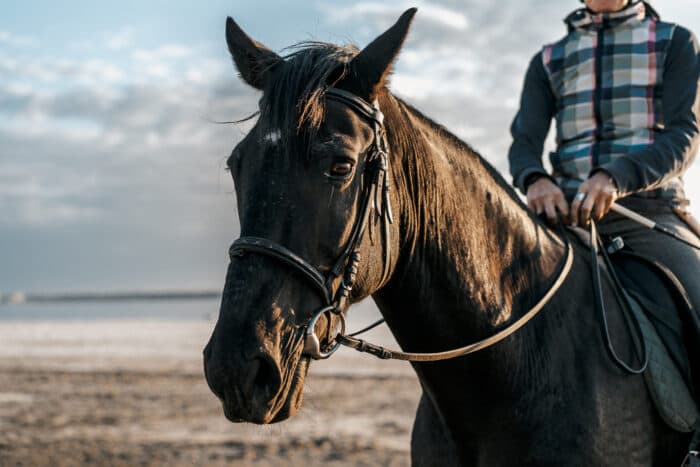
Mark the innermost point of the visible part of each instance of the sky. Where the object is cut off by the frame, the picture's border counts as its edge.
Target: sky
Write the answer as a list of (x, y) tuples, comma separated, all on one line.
[(111, 163)]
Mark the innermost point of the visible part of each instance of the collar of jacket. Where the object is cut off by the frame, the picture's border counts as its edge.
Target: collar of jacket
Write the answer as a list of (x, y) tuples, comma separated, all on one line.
[(583, 19)]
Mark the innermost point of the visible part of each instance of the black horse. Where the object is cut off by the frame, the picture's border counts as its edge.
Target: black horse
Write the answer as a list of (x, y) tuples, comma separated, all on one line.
[(462, 259)]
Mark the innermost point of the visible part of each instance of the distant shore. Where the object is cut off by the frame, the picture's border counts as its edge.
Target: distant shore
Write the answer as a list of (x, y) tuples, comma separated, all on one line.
[(19, 298)]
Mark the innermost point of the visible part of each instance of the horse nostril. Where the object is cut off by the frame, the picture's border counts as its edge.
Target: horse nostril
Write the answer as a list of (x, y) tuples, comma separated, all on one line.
[(212, 373), (263, 378)]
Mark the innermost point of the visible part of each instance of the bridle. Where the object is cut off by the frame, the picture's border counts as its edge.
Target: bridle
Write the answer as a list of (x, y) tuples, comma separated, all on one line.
[(374, 198)]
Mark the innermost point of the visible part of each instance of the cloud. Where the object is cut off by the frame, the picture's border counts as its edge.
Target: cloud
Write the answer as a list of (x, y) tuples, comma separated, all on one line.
[(438, 15), (162, 53), (122, 39), (36, 191), (110, 129), (110, 165), (16, 40)]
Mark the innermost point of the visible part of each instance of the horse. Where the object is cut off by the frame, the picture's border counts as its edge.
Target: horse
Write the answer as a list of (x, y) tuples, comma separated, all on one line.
[(460, 257)]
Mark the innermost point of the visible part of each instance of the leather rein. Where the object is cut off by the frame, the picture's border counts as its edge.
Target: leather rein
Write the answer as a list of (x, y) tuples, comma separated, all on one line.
[(374, 201)]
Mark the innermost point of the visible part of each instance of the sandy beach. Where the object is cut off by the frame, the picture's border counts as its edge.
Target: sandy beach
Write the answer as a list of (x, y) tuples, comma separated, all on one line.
[(132, 393)]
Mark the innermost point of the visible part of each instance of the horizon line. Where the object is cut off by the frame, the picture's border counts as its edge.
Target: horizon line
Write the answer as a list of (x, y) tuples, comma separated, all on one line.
[(19, 298)]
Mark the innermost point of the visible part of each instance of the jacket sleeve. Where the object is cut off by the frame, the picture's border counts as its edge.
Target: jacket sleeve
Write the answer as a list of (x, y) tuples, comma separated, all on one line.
[(675, 147), (531, 124)]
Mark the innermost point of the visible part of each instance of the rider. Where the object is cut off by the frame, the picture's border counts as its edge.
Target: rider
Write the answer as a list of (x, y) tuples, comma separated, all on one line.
[(623, 87)]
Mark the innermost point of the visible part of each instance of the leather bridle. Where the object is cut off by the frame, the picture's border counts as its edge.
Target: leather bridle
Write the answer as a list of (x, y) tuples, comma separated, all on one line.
[(374, 198)]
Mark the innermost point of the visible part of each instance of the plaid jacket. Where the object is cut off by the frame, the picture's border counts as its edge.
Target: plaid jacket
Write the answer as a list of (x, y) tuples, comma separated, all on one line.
[(605, 81), (606, 76)]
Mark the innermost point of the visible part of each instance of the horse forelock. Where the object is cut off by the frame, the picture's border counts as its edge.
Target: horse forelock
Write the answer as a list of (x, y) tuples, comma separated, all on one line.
[(292, 106)]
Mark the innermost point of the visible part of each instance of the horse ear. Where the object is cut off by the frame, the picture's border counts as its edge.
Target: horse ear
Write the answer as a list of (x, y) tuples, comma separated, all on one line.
[(253, 60), (373, 64)]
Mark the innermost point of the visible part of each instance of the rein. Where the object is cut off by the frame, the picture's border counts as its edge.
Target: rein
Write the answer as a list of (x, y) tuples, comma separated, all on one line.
[(623, 299), (387, 354), (597, 249)]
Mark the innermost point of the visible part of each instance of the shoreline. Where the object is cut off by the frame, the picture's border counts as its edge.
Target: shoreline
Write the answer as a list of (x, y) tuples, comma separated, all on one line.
[(19, 298), (132, 392)]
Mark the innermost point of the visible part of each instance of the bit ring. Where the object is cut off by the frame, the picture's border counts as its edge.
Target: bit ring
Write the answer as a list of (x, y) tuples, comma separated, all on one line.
[(312, 344)]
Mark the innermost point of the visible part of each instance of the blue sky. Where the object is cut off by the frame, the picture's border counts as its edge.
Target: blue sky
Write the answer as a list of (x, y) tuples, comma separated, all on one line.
[(111, 170)]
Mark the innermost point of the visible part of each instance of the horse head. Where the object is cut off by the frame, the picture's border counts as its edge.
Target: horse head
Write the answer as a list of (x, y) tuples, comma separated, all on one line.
[(311, 182)]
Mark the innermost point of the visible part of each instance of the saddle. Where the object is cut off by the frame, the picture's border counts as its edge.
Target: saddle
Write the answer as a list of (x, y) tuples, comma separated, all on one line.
[(670, 328)]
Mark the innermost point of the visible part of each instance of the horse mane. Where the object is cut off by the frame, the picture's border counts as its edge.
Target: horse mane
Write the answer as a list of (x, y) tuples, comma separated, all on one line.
[(435, 213), (459, 145), (448, 186), (420, 180)]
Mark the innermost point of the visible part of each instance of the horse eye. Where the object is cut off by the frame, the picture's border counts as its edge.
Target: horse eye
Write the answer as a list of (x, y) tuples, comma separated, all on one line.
[(341, 169)]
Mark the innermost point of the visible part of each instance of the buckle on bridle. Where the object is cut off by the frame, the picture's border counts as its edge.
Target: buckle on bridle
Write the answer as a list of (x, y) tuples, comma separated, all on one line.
[(312, 344)]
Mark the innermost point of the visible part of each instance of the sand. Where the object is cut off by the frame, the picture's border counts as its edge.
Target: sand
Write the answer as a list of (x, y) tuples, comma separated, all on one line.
[(132, 393)]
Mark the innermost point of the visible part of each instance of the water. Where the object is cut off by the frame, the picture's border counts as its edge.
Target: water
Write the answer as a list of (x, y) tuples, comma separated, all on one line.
[(181, 310), (104, 335)]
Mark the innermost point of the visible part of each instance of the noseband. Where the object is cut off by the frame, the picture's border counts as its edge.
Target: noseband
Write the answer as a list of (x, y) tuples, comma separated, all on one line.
[(375, 198)]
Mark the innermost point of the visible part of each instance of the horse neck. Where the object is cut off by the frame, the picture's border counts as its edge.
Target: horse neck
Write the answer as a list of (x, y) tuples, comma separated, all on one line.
[(470, 248)]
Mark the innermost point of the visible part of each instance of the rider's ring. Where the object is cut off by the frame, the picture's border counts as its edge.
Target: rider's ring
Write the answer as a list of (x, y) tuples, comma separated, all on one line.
[(580, 196)]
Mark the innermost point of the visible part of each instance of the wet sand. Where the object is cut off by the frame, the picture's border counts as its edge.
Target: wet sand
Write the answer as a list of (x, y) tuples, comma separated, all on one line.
[(132, 393)]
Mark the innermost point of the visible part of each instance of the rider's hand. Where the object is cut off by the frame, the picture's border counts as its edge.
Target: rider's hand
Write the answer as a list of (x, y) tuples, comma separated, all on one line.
[(600, 194), (544, 196)]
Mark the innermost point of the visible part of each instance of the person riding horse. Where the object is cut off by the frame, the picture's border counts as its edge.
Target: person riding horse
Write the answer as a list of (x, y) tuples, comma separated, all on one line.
[(623, 87), (443, 272)]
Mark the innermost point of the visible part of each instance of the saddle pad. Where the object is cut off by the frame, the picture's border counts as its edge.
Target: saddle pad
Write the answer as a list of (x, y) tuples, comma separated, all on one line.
[(654, 292), (666, 385)]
